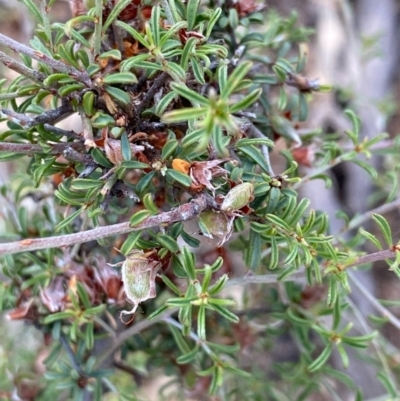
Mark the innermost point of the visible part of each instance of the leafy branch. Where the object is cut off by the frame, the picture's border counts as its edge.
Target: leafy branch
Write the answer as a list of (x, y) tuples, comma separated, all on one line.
[(51, 62), (184, 212)]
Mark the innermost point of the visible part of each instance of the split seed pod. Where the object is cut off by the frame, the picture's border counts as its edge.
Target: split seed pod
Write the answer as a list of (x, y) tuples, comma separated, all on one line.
[(138, 275)]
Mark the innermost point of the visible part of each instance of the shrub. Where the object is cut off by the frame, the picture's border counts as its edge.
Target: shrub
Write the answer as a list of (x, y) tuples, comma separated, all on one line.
[(180, 105)]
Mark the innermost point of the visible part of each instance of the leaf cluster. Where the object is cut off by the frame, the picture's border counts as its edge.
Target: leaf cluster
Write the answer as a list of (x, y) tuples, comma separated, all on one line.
[(178, 101)]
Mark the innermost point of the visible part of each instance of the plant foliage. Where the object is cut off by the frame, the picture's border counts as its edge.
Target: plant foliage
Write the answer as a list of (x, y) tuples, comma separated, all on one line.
[(180, 105)]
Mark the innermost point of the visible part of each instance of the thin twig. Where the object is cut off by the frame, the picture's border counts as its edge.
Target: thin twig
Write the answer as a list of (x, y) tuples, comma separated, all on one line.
[(71, 154), (374, 302), (50, 61), (22, 69), (62, 132), (386, 208), (71, 355), (158, 82), (128, 369), (50, 116), (262, 279), (373, 257), (376, 343), (338, 160), (184, 212), (86, 159), (159, 126), (31, 149), (131, 331), (317, 171), (381, 145)]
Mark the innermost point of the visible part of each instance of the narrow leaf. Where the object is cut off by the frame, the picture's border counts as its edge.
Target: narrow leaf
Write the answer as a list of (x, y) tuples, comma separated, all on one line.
[(145, 181), (33, 10), (355, 121), (191, 95), (68, 220), (254, 252), (246, 102), (201, 323), (213, 19), (371, 238), (274, 256), (226, 313), (130, 242), (183, 179), (115, 11), (113, 54), (149, 203), (188, 357), (255, 154), (320, 361), (185, 114), (385, 228), (135, 34), (254, 142), (120, 78), (187, 52), (235, 78), (134, 165), (191, 13), (177, 73), (126, 147), (168, 242), (187, 261), (155, 24), (119, 95), (139, 217), (198, 70), (169, 149), (164, 103), (86, 184), (278, 222)]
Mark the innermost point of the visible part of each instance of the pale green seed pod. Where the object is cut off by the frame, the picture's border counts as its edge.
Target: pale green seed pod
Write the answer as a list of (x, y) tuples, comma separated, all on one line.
[(238, 197), (138, 276)]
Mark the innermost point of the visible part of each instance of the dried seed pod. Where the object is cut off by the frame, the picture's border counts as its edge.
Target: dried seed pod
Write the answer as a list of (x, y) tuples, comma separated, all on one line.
[(216, 225), (238, 197), (138, 275), (202, 173)]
